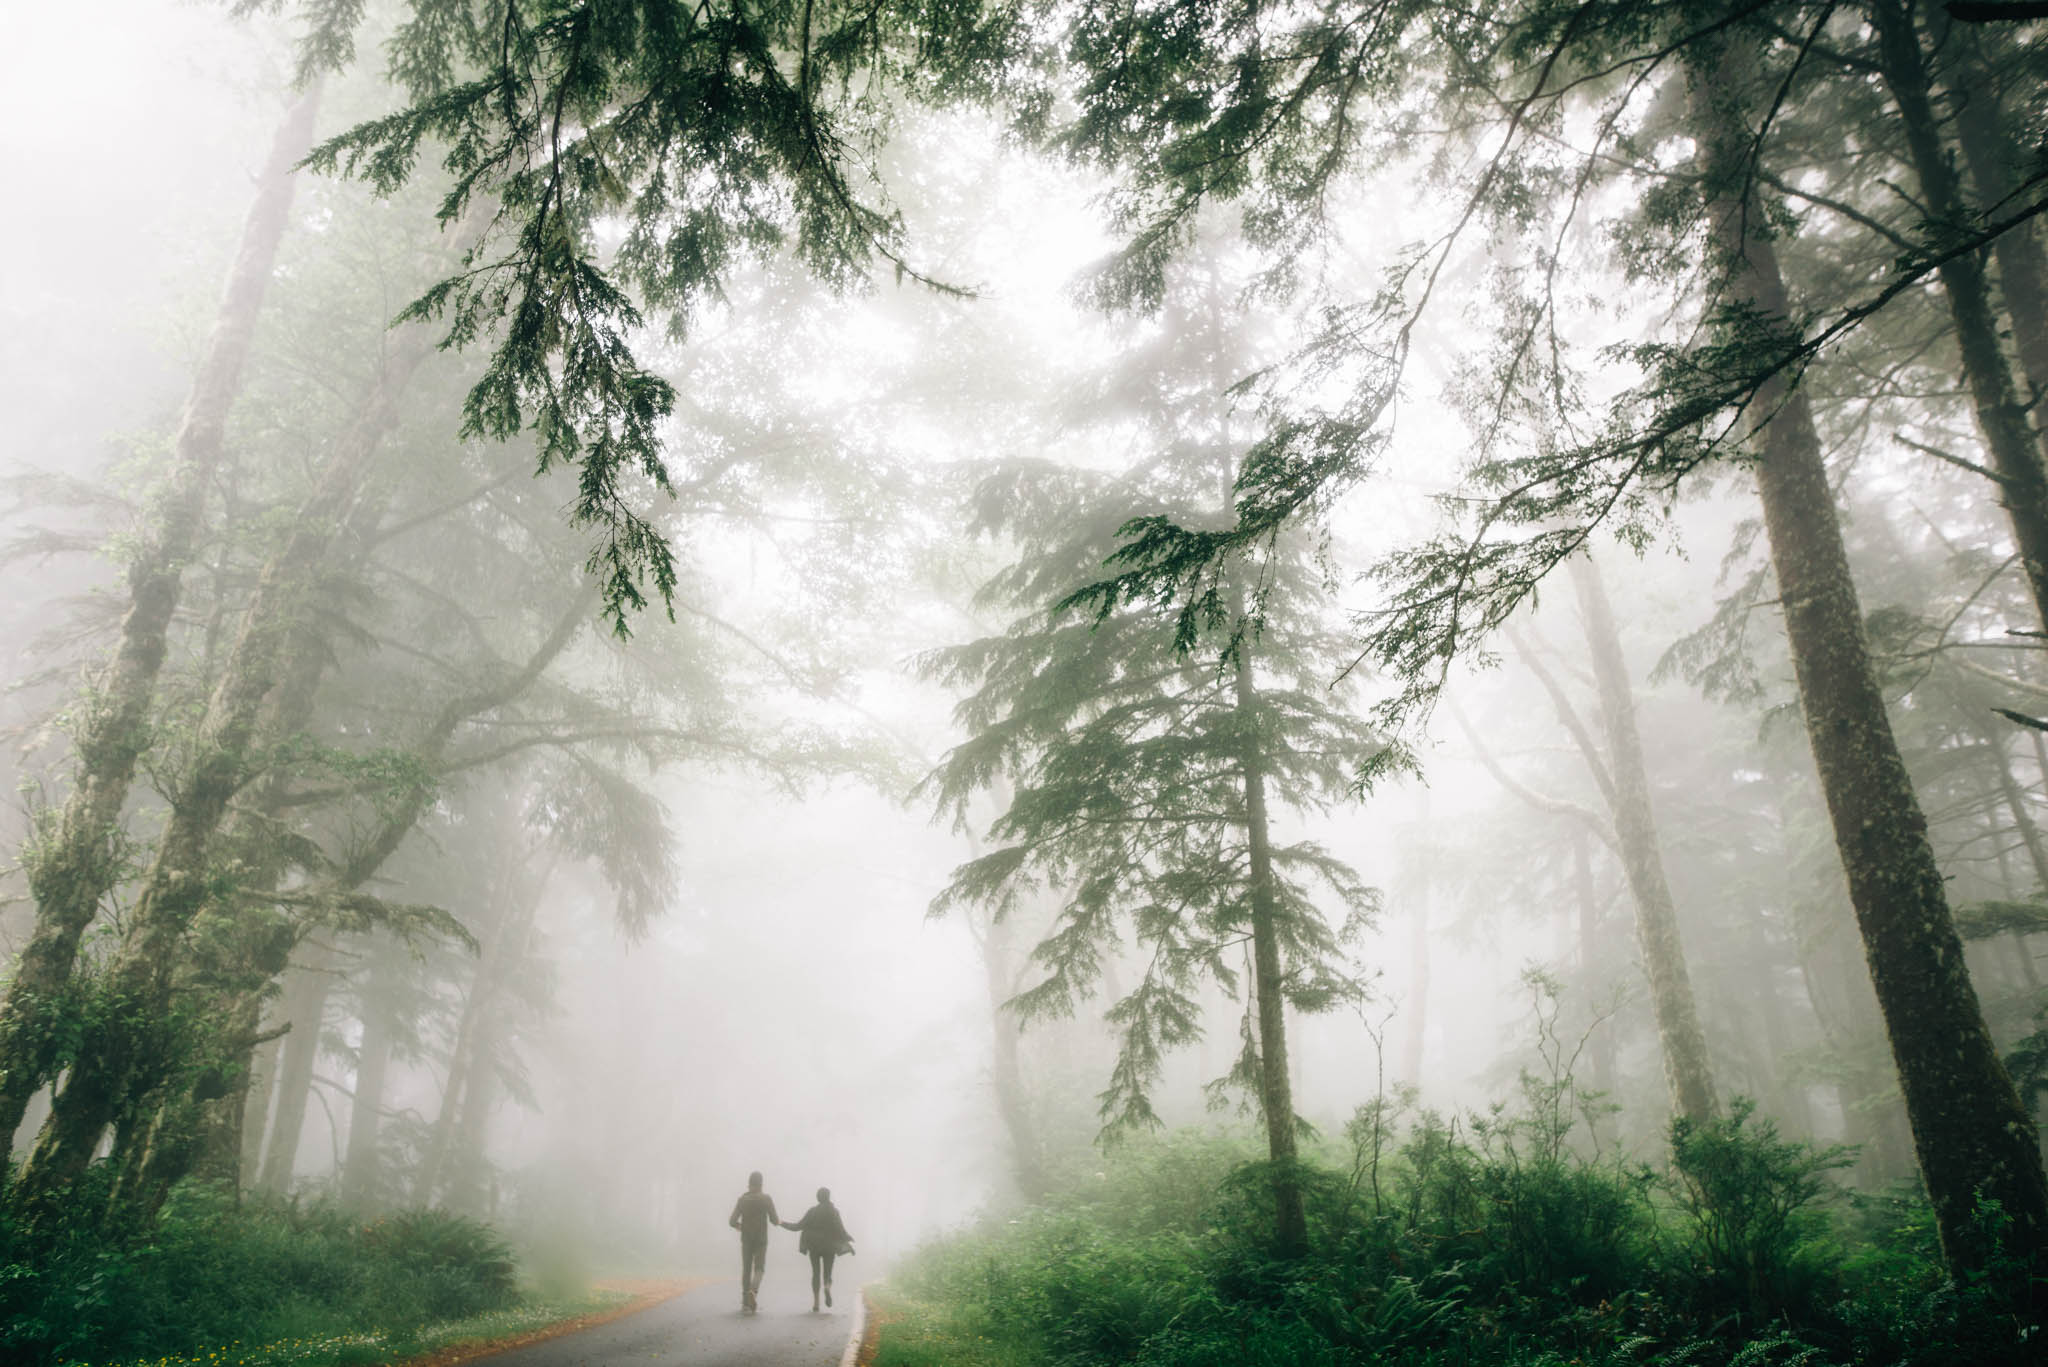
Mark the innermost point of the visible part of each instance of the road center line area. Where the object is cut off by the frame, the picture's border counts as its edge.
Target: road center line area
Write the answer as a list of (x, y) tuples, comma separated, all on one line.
[(704, 1327)]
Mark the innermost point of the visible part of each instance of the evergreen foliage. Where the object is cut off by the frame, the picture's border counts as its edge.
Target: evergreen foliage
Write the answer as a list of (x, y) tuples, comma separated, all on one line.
[(1135, 749), (345, 727), (1124, 757), (716, 136), (1487, 1245)]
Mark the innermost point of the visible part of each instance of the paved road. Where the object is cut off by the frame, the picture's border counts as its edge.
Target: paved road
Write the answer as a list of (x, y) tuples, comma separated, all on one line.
[(703, 1327)]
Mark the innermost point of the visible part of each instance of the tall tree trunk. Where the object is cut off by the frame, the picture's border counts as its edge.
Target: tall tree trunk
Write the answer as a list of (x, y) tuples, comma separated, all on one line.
[(259, 1095), (261, 951), (1793, 1107), (520, 894), (288, 712), (2015, 800), (363, 862), (1973, 1138), (1687, 1068), (361, 1178), (470, 1184), (222, 1099), (995, 941), (1006, 1069), (2014, 446), (122, 1051), (1276, 1092), (1845, 1011), (73, 863), (305, 1006), (1996, 163), (1590, 968)]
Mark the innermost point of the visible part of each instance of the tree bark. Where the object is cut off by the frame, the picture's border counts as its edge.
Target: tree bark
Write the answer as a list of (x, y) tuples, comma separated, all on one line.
[(361, 1177), (1276, 1092), (1006, 1068), (469, 1055), (471, 1187), (73, 862), (121, 1053), (305, 1007), (1972, 1137), (237, 1005), (256, 1103), (1995, 165), (2010, 439), (1687, 1068), (2015, 801)]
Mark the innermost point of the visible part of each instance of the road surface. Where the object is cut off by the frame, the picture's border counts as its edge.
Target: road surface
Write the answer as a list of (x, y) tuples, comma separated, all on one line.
[(703, 1327)]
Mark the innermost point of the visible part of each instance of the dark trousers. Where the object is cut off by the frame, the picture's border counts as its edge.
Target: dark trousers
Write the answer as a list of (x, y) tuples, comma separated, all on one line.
[(753, 1260), (821, 1263)]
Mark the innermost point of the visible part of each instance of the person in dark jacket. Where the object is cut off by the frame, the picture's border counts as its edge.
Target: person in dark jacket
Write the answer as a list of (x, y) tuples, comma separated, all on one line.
[(751, 1216), (822, 1234)]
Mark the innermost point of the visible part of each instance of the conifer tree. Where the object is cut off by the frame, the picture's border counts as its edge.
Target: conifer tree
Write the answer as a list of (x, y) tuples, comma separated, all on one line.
[(74, 860), (1702, 402), (1149, 765)]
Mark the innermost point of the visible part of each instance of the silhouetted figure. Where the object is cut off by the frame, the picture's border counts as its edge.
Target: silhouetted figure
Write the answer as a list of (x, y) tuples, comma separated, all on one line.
[(822, 1234), (751, 1216)]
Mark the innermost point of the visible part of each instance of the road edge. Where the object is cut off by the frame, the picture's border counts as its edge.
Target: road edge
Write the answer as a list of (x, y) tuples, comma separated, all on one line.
[(457, 1355), (856, 1338)]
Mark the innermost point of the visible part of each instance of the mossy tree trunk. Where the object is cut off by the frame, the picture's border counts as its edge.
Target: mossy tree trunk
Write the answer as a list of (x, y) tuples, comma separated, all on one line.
[(1972, 1137), (123, 1049), (305, 1009), (257, 1100), (72, 861)]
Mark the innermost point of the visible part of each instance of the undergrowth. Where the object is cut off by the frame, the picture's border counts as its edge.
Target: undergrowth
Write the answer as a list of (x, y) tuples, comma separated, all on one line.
[(263, 1279), (1485, 1239)]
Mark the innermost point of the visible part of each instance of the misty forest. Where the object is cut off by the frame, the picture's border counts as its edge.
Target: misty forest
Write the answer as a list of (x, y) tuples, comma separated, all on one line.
[(1342, 682)]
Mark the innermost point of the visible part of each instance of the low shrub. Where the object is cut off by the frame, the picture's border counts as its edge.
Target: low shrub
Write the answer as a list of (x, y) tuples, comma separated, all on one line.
[(1754, 1235), (1476, 1241), (215, 1271)]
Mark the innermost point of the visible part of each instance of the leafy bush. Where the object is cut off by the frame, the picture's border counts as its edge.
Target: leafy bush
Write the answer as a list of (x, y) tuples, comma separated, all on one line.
[(1753, 1236), (463, 1267), (1484, 1240), (214, 1271)]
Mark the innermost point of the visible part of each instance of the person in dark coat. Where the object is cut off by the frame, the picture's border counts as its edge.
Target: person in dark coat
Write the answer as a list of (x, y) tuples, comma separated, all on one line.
[(752, 1214), (822, 1234)]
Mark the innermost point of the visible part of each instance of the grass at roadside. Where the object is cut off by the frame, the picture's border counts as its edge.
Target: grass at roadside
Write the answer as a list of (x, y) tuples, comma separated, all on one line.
[(445, 1340), (915, 1332)]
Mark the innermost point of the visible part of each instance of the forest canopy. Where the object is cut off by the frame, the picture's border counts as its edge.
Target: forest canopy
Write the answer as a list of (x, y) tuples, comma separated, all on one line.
[(1233, 467)]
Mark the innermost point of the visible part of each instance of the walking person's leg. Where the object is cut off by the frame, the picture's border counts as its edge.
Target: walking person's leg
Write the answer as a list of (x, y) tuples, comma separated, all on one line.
[(753, 1262), (827, 1258), (816, 1258)]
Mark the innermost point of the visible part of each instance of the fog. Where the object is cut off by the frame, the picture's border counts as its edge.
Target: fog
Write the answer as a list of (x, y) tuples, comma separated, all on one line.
[(669, 912)]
